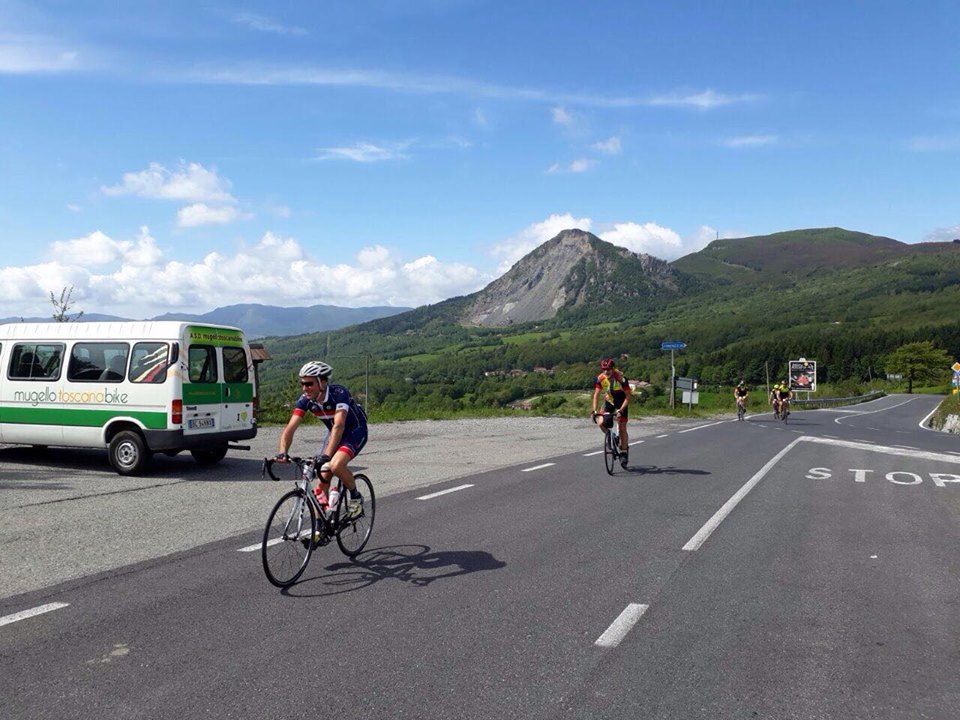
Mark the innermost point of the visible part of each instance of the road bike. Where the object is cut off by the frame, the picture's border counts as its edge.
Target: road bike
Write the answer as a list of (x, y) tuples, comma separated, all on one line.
[(741, 408), (299, 523), (784, 410), (611, 441)]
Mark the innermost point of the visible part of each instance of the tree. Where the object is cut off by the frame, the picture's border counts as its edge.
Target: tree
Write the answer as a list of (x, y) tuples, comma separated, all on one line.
[(918, 361), (61, 307)]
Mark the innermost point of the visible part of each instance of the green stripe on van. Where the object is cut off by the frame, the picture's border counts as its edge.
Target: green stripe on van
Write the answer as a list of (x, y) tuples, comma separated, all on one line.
[(79, 418), (210, 393)]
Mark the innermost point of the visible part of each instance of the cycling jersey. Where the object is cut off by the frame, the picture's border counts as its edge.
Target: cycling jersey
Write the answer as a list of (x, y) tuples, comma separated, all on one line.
[(614, 387), (337, 398), (740, 391), (783, 393)]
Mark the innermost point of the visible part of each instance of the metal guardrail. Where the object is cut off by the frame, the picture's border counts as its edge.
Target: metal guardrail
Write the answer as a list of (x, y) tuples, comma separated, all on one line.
[(837, 402)]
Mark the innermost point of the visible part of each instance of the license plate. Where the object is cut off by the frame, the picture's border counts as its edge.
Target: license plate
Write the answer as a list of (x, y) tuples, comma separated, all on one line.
[(200, 423)]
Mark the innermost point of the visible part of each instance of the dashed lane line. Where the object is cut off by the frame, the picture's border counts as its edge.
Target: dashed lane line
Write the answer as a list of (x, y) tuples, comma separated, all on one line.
[(445, 492), (537, 467), (33, 612), (621, 626)]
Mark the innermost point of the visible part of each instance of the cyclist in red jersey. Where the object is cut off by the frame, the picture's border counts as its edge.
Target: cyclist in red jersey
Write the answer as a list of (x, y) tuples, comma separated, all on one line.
[(616, 398)]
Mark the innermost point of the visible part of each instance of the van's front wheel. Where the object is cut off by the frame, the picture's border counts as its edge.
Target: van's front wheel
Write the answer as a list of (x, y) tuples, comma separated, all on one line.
[(128, 453), (209, 456)]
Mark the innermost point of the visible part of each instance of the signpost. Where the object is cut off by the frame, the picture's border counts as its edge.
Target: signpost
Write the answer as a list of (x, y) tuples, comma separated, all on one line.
[(956, 377), (672, 345)]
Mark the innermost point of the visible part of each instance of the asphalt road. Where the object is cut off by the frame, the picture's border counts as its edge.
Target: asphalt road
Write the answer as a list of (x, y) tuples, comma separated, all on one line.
[(736, 569)]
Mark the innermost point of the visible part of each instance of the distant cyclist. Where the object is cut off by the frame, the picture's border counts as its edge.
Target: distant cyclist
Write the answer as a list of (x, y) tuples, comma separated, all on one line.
[(772, 399), (346, 425), (616, 398), (740, 394), (784, 396)]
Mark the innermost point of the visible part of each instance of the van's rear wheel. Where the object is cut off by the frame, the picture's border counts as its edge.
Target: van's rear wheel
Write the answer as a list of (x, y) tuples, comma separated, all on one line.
[(209, 456), (128, 453)]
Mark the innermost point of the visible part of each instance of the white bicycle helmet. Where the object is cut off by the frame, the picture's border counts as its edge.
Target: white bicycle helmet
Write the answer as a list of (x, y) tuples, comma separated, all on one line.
[(315, 368)]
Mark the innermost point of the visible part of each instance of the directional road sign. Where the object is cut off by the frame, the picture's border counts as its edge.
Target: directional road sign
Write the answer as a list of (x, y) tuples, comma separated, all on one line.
[(956, 367), (672, 345)]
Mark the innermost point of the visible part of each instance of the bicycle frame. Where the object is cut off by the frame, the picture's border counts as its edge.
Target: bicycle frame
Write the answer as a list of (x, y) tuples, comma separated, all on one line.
[(329, 520)]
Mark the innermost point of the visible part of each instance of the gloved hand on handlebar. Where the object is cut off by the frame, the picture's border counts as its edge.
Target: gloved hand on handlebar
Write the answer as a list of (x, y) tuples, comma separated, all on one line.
[(281, 457), (322, 460)]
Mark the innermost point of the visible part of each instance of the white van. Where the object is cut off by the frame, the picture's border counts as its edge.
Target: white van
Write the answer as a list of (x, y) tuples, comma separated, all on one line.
[(134, 388)]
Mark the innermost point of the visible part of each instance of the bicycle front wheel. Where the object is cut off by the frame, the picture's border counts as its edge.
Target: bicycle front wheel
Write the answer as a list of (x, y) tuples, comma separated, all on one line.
[(288, 539), (609, 453), (355, 531)]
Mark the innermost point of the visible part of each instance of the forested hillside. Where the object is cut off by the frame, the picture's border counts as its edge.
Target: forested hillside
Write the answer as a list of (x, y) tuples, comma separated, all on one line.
[(742, 310)]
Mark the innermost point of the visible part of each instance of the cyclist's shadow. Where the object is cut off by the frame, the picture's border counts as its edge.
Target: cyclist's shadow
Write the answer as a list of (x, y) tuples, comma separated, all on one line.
[(657, 470), (414, 564)]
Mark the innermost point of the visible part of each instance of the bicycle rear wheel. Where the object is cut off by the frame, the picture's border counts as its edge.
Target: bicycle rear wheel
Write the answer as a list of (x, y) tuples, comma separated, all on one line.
[(354, 532), (609, 452), (288, 539)]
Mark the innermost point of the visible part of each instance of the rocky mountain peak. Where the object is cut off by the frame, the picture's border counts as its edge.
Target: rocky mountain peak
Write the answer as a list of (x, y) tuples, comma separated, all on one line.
[(572, 269)]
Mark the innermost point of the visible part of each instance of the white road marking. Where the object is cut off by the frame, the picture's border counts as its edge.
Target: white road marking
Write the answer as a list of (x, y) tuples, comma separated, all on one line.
[(538, 467), (704, 532), (598, 452), (701, 427), (33, 612), (621, 626), (444, 492), (663, 436), (858, 413), (923, 423), (271, 543)]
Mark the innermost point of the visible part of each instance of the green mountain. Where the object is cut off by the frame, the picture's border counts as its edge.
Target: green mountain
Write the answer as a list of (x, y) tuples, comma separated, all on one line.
[(743, 307)]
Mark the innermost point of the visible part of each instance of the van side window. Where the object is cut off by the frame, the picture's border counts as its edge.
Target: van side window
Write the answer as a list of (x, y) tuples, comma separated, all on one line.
[(32, 361), (202, 364), (149, 362), (234, 365), (98, 362)]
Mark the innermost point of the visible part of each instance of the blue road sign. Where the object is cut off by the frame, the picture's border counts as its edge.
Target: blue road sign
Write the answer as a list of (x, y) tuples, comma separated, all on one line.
[(672, 345)]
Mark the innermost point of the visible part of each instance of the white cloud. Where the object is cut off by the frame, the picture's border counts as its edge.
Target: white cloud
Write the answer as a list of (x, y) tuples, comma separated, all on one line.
[(943, 234), (312, 75), (364, 152), (27, 55), (577, 166), (202, 214), (189, 182), (705, 100), (262, 23), (742, 141), (934, 143), (647, 238), (562, 117), (533, 236), (610, 146), (91, 251), (131, 278)]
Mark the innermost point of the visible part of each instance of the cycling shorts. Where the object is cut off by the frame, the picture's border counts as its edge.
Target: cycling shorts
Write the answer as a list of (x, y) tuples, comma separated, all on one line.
[(609, 409), (352, 442)]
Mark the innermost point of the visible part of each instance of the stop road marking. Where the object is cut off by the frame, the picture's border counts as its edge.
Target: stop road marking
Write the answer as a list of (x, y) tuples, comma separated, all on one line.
[(897, 477)]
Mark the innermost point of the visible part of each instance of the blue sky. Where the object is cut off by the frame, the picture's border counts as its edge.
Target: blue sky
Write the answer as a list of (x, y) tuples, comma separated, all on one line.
[(179, 156)]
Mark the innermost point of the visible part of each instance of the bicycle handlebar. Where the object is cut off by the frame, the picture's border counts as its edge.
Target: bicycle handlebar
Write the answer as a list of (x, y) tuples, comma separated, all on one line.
[(268, 464)]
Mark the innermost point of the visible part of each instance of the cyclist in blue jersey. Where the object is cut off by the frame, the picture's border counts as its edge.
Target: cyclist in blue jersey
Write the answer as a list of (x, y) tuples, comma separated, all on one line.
[(346, 425)]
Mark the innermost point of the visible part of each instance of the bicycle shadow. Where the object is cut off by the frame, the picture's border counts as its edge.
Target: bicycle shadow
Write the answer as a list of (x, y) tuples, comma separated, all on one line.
[(414, 564), (657, 470)]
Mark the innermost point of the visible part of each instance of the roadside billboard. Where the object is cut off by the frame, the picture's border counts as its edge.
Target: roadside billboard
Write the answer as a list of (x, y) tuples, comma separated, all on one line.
[(803, 375)]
